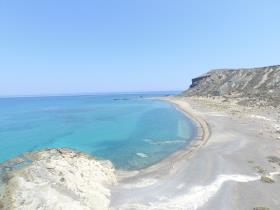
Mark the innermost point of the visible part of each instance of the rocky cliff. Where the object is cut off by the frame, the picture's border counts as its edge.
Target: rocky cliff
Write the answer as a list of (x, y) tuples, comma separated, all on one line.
[(255, 86)]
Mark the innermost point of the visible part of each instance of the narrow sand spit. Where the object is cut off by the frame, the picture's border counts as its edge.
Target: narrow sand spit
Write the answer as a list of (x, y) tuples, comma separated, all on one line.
[(222, 169)]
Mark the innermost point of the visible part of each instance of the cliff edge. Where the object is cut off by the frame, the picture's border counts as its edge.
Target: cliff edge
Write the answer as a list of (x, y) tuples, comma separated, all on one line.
[(254, 86)]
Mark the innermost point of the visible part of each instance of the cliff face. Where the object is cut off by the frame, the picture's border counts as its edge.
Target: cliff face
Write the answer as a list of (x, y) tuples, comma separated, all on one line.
[(256, 85)]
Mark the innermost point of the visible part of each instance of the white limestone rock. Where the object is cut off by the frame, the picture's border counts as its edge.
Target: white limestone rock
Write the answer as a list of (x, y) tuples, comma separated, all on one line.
[(60, 179)]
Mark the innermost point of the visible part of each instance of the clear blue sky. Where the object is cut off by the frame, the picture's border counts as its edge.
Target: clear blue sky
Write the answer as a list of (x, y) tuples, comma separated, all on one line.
[(66, 46)]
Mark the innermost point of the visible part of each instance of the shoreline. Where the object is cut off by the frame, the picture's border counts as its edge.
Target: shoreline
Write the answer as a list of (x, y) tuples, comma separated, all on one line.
[(232, 163), (233, 166), (203, 133), (42, 163)]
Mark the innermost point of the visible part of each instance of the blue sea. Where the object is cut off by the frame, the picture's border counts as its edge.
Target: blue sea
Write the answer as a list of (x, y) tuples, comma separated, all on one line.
[(131, 130)]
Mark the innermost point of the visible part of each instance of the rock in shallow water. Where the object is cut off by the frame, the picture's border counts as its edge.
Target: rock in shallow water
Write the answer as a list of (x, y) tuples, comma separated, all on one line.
[(60, 179)]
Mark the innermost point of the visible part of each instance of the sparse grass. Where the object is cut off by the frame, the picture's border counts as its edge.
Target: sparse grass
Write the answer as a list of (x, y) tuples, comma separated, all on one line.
[(273, 159), (251, 161), (260, 170), (261, 208), (266, 179)]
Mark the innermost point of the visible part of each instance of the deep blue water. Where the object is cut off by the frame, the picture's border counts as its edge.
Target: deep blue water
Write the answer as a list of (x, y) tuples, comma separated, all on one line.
[(128, 129)]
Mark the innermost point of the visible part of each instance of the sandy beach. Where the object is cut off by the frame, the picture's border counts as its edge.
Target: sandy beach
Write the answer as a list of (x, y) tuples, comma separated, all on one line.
[(139, 105), (233, 164)]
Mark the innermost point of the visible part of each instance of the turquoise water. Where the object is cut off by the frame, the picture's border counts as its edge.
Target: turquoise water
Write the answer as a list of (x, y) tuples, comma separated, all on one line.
[(128, 129)]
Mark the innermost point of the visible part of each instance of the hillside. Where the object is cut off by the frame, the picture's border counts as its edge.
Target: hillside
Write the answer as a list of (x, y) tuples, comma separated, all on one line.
[(254, 86)]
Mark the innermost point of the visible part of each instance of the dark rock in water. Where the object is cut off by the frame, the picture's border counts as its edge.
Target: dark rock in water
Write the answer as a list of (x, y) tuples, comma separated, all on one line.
[(260, 86)]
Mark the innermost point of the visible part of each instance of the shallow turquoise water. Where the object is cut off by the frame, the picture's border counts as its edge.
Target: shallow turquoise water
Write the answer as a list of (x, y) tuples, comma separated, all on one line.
[(130, 130)]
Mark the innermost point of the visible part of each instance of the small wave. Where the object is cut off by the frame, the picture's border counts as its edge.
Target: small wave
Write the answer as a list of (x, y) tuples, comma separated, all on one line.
[(142, 155), (158, 142)]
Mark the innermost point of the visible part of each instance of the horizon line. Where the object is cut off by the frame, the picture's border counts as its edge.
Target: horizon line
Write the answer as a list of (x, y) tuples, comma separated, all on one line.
[(85, 93)]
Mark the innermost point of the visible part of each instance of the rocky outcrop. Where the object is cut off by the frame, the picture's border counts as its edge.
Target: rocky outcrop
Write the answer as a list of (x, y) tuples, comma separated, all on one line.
[(58, 179), (255, 86)]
